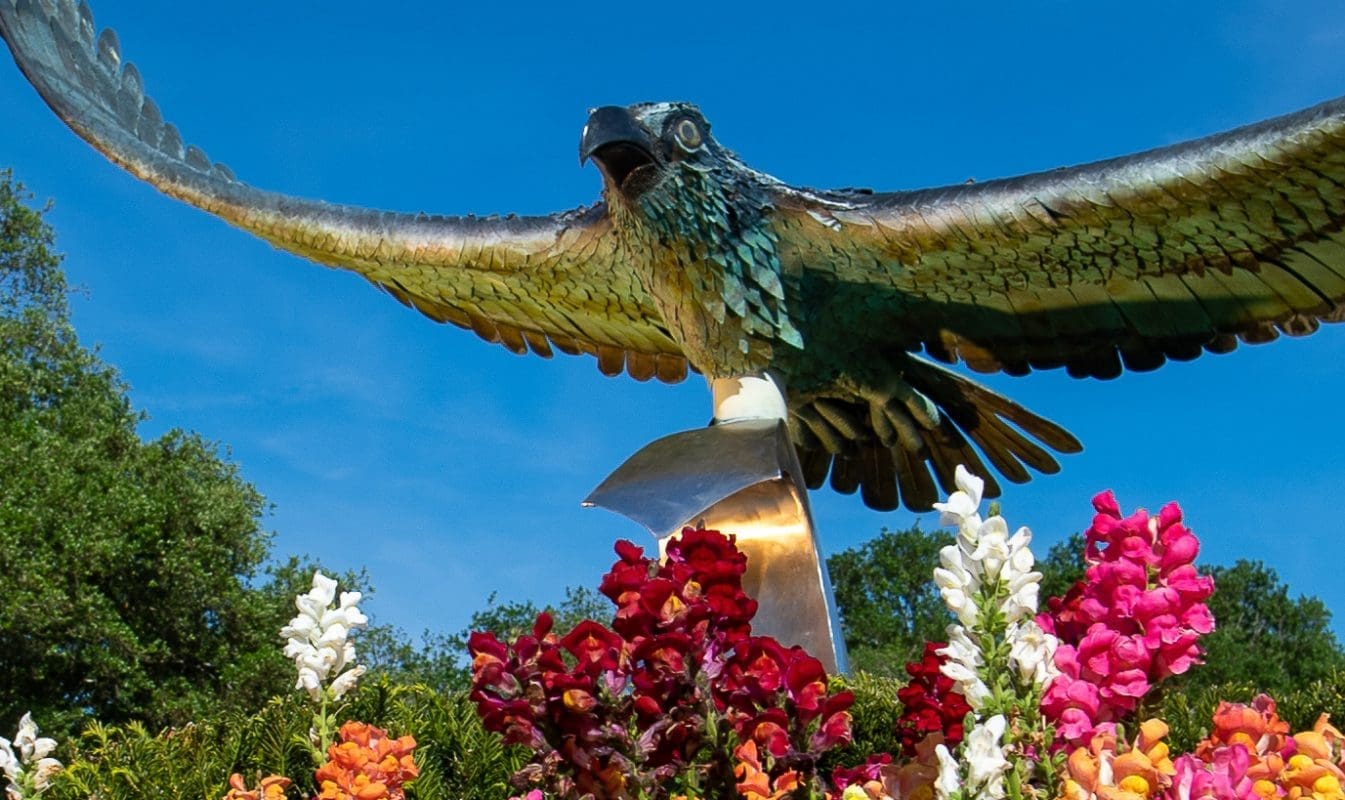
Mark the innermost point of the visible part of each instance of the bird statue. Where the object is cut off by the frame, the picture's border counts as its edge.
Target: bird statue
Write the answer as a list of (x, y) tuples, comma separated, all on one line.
[(854, 301)]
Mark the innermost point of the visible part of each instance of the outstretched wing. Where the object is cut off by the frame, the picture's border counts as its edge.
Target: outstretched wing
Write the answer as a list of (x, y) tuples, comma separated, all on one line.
[(1120, 264), (528, 283)]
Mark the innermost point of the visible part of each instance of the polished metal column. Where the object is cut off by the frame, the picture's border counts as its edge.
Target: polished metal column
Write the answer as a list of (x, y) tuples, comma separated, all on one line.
[(740, 476)]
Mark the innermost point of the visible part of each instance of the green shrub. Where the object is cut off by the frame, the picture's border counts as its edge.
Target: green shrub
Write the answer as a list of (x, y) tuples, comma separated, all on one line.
[(458, 759), (1188, 711), (874, 713)]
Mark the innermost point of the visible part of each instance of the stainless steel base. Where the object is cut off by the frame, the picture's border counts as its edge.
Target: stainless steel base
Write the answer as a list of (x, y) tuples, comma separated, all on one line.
[(740, 478)]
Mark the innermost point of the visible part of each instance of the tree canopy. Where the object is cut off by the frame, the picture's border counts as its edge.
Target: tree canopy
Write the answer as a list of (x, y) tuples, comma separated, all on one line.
[(888, 603), (135, 586)]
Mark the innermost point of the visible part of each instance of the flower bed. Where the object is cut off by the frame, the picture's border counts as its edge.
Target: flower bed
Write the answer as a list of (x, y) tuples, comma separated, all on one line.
[(676, 697)]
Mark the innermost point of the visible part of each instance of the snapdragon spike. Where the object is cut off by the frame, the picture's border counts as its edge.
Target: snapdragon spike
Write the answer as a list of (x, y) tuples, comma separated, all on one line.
[(317, 639), (996, 659), (664, 690), (367, 764), (930, 703), (1135, 619), (26, 762)]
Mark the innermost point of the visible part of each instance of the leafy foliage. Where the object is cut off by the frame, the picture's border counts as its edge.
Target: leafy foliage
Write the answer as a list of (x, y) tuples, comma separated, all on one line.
[(128, 561), (457, 757), (874, 724)]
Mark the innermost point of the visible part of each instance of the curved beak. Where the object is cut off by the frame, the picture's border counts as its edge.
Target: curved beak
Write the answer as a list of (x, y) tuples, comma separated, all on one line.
[(617, 143)]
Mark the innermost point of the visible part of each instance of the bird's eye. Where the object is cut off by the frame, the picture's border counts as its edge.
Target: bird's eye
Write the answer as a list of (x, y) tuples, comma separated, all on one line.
[(688, 134)]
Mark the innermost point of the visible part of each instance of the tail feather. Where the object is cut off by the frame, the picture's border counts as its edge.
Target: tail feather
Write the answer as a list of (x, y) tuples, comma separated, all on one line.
[(841, 433)]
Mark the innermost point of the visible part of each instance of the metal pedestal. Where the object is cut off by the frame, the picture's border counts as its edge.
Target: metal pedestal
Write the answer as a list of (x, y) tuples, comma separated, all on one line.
[(740, 478)]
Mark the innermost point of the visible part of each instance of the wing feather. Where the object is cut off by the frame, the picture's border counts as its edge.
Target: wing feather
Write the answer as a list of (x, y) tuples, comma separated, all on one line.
[(1113, 266), (526, 283), (1158, 255)]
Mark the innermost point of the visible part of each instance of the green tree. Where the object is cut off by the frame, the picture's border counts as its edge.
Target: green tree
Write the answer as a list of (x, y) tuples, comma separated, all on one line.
[(1263, 637), (888, 604), (133, 580), (1062, 567)]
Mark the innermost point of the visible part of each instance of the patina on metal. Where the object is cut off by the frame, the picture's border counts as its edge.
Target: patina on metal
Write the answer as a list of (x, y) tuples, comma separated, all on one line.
[(740, 476)]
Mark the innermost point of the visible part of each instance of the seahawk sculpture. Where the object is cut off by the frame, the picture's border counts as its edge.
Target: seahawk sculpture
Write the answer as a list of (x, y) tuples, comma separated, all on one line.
[(693, 261)]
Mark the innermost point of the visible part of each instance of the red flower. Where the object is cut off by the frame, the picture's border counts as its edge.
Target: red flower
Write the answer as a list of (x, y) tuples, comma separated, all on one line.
[(604, 708), (930, 703), (834, 730), (596, 648)]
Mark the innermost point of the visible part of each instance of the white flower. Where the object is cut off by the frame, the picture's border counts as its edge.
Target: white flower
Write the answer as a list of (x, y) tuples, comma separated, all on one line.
[(318, 642), (1021, 600), (992, 546), (963, 503), (963, 666), (43, 771), (323, 591), (9, 763), (1032, 651), (1020, 559), (310, 682), (346, 681), (949, 782), (957, 584), (986, 764), (1104, 769), (34, 753), (31, 747)]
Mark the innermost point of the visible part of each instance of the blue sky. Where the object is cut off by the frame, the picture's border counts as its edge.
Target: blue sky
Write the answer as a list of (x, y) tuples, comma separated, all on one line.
[(451, 468)]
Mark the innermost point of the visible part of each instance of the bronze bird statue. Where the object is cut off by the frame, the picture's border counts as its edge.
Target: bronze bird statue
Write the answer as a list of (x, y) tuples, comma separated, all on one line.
[(693, 261)]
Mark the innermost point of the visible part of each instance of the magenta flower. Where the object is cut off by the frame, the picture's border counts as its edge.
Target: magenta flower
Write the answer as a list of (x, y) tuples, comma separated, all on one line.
[(1135, 620), (1223, 778)]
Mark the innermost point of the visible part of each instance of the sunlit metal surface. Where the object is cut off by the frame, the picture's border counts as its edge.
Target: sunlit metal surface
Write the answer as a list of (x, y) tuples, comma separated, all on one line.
[(740, 478)]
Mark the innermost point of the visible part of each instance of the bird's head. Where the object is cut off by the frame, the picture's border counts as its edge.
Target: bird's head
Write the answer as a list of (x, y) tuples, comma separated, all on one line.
[(640, 146)]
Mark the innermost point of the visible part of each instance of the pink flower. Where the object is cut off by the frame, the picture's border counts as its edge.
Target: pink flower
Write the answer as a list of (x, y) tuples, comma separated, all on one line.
[(1073, 703), (1135, 619), (1223, 778)]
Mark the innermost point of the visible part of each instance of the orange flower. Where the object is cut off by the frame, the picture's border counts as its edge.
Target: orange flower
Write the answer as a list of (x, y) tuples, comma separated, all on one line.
[(272, 787), (1150, 742), (1256, 727), (1138, 772), (367, 765), (914, 780), (1323, 742), (1306, 777), (753, 781)]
